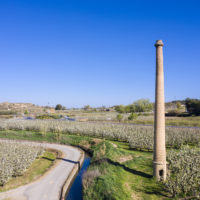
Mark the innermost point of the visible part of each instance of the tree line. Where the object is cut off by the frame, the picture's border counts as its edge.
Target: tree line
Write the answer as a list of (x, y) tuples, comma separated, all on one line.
[(144, 105), (193, 106), (141, 105)]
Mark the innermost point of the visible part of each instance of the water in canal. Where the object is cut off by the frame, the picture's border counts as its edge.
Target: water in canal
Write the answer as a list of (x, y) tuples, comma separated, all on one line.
[(75, 192)]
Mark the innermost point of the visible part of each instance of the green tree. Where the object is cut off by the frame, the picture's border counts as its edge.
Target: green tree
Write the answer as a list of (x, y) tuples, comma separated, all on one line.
[(178, 105), (86, 107), (120, 108), (58, 107), (127, 109), (142, 105), (64, 108), (119, 117), (193, 106), (132, 108)]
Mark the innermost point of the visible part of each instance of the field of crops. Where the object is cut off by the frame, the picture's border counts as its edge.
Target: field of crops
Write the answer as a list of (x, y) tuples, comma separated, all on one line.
[(138, 137), (184, 173), (15, 158), (184, 165)]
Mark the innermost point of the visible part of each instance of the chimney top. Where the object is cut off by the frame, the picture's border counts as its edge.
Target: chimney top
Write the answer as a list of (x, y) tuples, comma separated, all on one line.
[(159, 43)]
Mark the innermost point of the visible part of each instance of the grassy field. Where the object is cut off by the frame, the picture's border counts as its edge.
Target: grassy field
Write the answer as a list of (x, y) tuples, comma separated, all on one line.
[(37, 168), (124, 174)]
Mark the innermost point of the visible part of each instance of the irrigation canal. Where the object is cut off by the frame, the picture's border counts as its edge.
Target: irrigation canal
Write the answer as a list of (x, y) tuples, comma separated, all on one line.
[(76, 190)]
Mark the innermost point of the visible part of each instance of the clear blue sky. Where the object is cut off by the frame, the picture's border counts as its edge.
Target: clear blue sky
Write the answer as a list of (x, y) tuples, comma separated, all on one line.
[(97, 52)]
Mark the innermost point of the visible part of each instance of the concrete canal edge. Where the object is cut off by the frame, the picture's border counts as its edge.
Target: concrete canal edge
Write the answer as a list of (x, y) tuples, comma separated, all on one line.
[(65, 188)]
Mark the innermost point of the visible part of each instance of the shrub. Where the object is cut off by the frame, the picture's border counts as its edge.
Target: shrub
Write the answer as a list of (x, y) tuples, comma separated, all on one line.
[(89, 177), (120, 108), (119, 117), (132, 116), (87, 107), (26, 112)]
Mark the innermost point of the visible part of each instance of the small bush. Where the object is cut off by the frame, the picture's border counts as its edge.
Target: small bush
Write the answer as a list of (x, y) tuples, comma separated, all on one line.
[(120, 108), (26, 112), (119, 117), (132, 116), (89, 177)]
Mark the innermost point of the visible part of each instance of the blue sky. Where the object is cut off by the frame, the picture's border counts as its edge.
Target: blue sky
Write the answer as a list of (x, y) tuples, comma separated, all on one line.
[(78, 52)]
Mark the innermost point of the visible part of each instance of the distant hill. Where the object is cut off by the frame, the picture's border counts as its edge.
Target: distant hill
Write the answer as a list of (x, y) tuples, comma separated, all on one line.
[(21, 108)]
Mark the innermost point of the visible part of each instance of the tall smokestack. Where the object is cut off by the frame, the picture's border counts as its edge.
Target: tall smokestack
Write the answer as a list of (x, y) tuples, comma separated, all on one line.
[(159, 121)]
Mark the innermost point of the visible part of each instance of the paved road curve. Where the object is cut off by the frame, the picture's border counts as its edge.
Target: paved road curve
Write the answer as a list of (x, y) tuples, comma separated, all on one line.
[(49, 186)]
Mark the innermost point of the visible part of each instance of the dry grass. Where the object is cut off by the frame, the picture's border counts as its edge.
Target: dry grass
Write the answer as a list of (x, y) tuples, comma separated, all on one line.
[(134, 196), (124, 159), (89, 177)]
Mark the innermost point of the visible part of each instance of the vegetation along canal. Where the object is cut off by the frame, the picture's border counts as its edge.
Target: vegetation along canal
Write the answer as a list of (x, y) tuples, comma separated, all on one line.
[(75, 192)]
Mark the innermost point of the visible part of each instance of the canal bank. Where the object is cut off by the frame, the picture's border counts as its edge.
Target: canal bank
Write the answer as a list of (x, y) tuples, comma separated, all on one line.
[(75, 192), (67, 185)]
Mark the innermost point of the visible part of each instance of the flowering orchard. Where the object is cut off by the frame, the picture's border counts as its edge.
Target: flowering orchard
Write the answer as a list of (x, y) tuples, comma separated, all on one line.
[(138, 137), (15, 158), (184, 172), (184, 163)]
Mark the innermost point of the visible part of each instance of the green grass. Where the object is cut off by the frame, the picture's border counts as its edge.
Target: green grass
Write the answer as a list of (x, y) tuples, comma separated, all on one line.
[(125, 174), (39, 136), (47, 116), (37, 168), (183, 121), (131, 179)]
